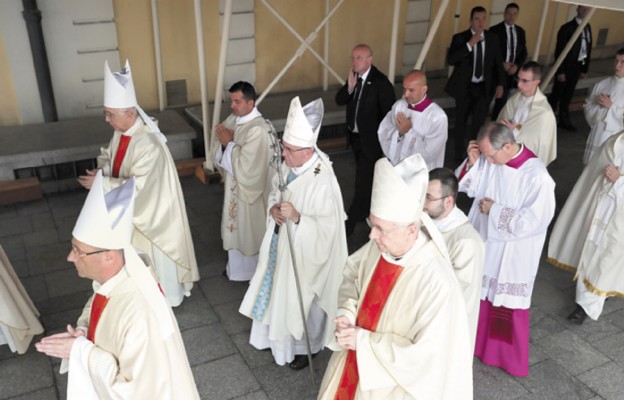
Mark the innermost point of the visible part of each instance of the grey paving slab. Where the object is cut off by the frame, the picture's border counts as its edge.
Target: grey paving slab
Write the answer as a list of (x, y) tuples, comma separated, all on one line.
[(281, 382), (543, 324), (226, 378), (548, 297), (616, 318), (556, 276), (252, 356), (612, 305), (548, 380), (15, 226), (42, 221), (606, 380), (536, 354), (219, 290), (7, 212), (233, 321), (572, 353), (25, 374), (63, 303), (35, 287), (59, 320), (208, 342), (14, 247), (194, 311), (40, 238), (43, 394), (491, 383), (46, 258), (60, 283), (592, 331), (612, 347), (32, 207), (259, 395)]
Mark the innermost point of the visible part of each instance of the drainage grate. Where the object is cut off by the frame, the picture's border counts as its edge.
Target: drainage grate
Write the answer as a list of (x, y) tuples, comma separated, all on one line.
[(56, 172)]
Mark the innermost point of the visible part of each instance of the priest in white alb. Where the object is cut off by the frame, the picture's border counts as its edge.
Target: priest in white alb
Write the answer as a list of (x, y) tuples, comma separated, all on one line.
[(465, 246), (127, 344), (588, 238), (604, 108), (243, 159), (530, 117), (311, 208), (415, 124), (138, 149), (514, 201), (401, 327)]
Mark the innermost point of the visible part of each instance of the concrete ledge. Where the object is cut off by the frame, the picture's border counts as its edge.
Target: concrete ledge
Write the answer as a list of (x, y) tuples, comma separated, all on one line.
[(37, 145)]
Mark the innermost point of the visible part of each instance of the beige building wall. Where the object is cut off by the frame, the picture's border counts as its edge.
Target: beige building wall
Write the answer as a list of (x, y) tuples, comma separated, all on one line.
[(356, 21), (9, 111)]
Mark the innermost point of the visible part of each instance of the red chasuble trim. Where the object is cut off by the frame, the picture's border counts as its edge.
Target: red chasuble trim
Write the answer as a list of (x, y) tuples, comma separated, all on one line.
[(124, 141), (98, 305), (379, 289)]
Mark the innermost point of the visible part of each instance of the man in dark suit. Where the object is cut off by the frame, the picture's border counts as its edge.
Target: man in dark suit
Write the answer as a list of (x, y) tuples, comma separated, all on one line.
[(369, 96), (573, 68), (476, 78), (512, 41)]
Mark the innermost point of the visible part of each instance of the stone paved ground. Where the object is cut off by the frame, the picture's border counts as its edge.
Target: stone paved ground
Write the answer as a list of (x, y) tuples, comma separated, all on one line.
[(567, 361)]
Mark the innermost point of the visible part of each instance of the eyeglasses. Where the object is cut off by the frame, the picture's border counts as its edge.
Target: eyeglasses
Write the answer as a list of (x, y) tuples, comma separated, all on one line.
[(290, 149), (429, 198), (111, 115), (80, 254), (382, 232)]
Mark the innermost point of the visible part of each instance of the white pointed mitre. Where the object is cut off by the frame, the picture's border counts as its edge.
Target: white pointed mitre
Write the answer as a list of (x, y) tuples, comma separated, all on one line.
[(303, 124), (119, 88), (399, 191), (105, 220)]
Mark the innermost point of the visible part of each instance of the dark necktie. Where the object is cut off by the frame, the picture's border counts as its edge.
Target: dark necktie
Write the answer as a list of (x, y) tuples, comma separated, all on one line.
[(479, 62), (512, 51), (356, 97)]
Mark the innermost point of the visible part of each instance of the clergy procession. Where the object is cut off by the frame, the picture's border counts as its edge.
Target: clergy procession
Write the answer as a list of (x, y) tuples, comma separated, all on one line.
[(438, 286)]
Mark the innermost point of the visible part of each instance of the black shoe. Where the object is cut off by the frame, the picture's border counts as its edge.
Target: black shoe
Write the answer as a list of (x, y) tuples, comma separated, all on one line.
[(567, 125), (300, 361), (578, 315)]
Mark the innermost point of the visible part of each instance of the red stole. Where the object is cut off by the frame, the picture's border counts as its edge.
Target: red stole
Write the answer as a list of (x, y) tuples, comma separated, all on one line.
[(377, 293), (97, 306), (124, 141)]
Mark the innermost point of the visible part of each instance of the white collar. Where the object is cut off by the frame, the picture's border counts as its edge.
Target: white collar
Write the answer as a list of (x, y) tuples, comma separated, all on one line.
[(509, 26), (455, 218), (482, 34), (300, 170), (107, 288), (135, 127), (365, 74), (246, 118), (519, 151), (421, 240)]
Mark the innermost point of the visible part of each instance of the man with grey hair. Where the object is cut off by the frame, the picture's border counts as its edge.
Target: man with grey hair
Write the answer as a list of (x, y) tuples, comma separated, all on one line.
[(465, 246), (401, 330), (138, 149), (514, 201)]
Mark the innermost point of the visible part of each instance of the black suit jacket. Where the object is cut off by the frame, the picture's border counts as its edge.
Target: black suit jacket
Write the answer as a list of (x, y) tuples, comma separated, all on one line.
[(571, 60), (500, 30), (461, 58), (376, 100)]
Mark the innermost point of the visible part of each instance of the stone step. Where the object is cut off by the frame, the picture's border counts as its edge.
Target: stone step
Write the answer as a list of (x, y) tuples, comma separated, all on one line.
[(20, 190)]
